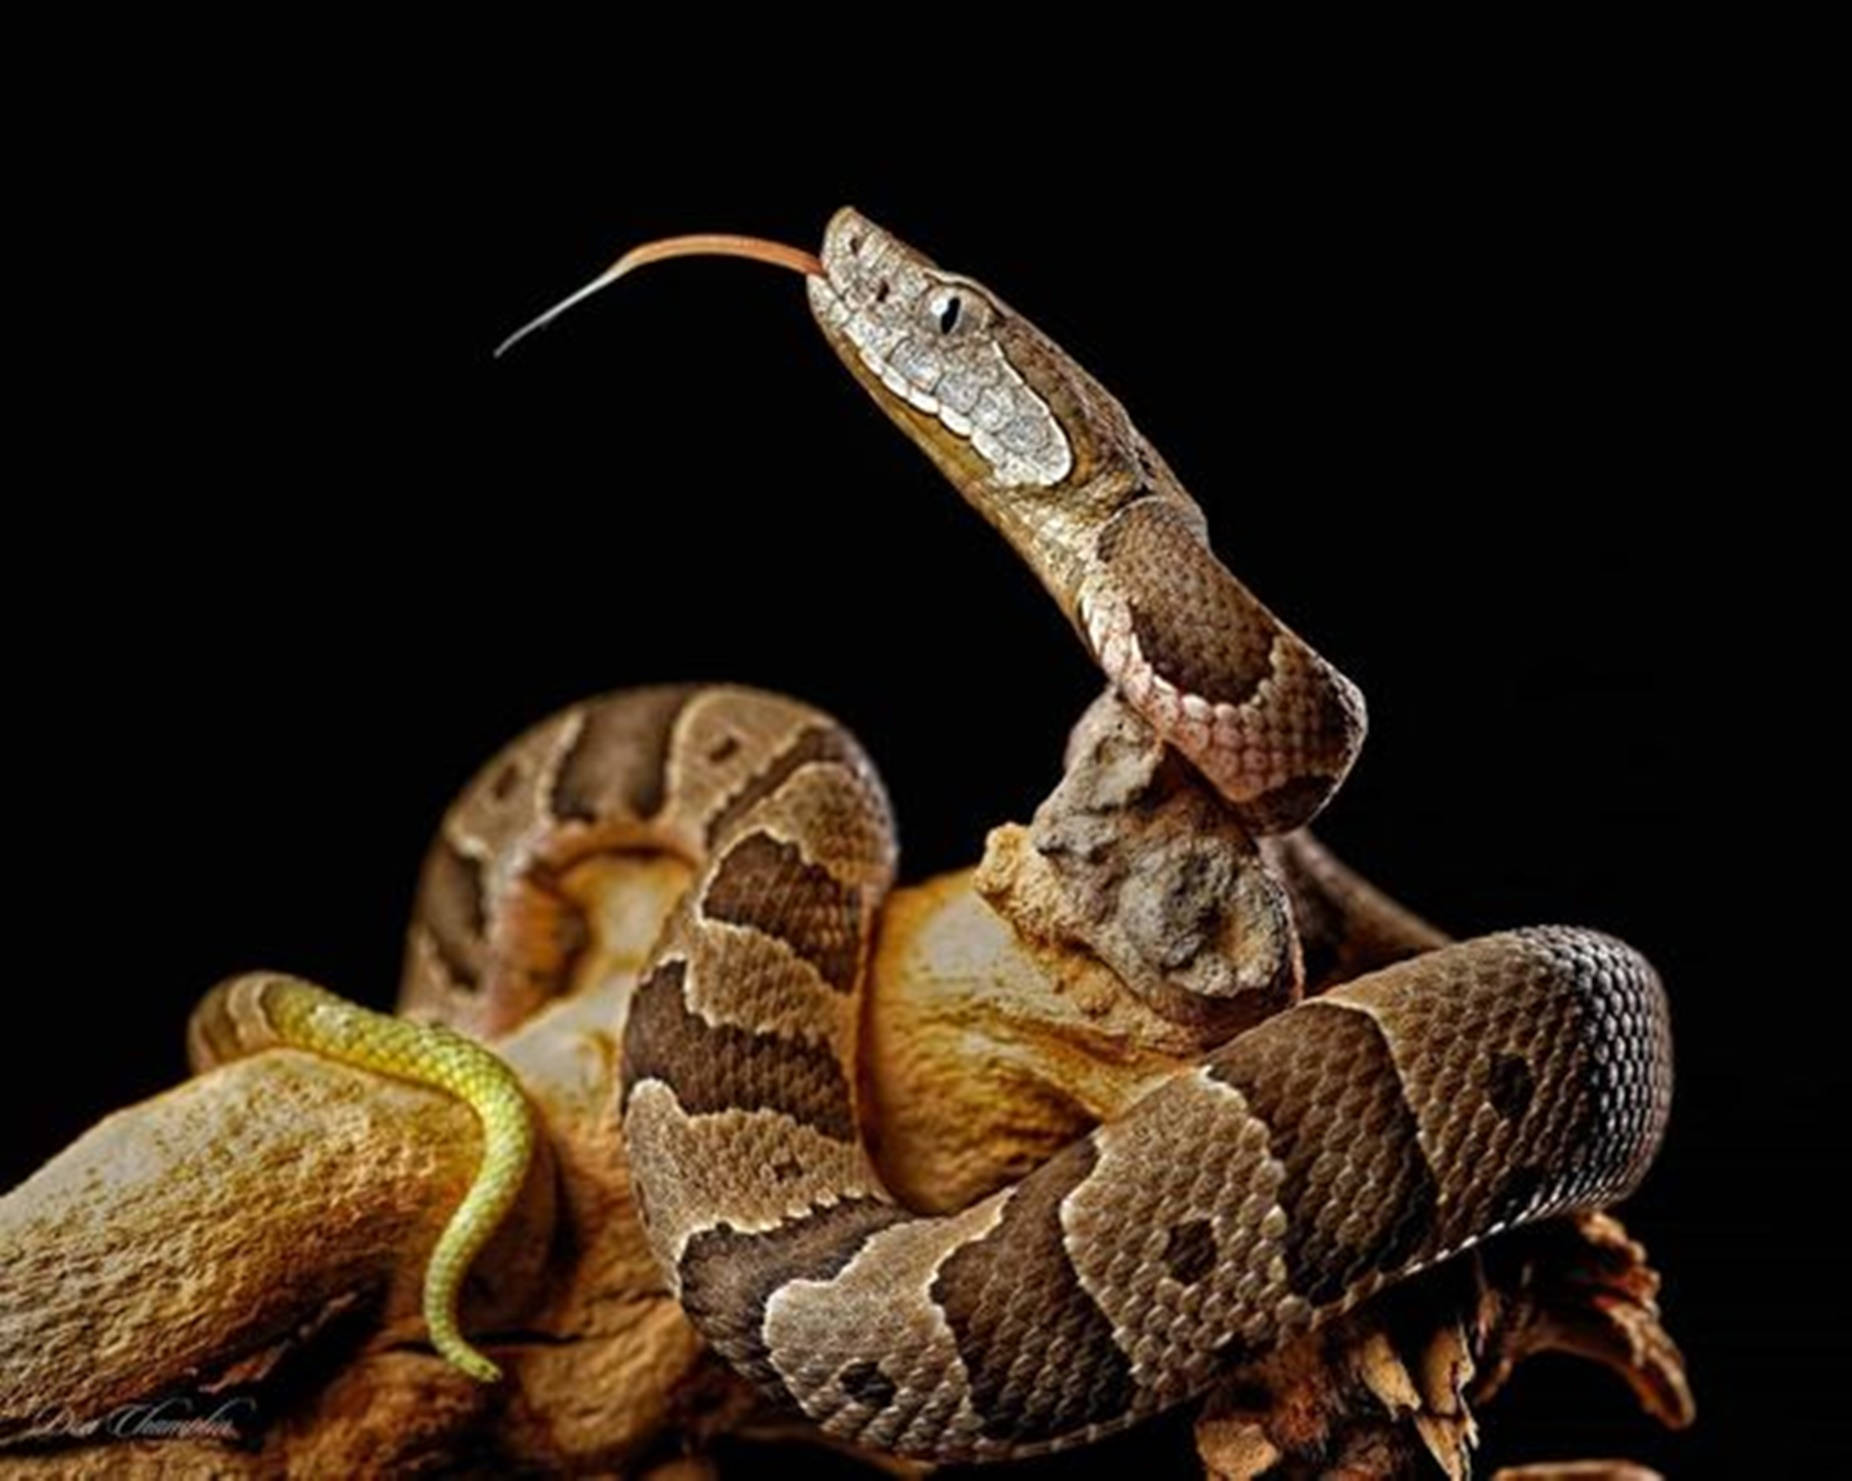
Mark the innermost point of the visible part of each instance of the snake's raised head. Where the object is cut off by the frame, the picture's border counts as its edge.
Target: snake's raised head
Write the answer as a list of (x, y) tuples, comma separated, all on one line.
[(1004, 413), (1026, 435), (933, 348), (1047, 455)]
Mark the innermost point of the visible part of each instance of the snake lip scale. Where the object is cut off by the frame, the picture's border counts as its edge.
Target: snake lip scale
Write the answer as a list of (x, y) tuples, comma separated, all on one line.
[(1338, 1147)]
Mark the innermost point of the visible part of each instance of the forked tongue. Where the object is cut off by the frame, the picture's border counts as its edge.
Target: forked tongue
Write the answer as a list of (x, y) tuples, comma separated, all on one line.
[(702, 244)]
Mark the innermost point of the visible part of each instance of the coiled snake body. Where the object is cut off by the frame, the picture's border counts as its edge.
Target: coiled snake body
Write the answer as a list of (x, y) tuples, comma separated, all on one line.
[(1339, 1146)]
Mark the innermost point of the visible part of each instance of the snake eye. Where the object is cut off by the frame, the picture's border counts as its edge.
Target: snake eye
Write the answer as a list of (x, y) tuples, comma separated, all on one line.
[(948, 314)]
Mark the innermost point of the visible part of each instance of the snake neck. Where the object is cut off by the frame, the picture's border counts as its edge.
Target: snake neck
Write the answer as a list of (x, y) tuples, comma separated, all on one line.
[(1051, 459)]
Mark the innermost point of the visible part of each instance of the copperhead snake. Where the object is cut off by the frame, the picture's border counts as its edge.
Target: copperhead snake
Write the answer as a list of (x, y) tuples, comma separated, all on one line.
[(1339, 1146)]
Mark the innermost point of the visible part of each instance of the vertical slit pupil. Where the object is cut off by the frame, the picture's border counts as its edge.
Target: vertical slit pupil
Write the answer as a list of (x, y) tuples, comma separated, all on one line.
[(948, 316)]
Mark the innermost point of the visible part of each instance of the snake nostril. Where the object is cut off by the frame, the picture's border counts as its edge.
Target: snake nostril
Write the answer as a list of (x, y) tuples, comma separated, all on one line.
[(881, 291)]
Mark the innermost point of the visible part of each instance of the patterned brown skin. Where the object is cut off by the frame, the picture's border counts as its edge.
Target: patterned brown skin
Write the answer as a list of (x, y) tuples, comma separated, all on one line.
[(1098, 516), (493, 934), (1336, 1148), (1339, 1146)]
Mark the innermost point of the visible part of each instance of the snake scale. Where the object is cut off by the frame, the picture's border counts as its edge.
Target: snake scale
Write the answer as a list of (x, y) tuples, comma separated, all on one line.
[(1337, 1147)]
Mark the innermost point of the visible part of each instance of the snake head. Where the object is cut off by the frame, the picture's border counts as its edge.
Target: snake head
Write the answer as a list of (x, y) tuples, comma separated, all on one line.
[(1046, 454), (996, 404)]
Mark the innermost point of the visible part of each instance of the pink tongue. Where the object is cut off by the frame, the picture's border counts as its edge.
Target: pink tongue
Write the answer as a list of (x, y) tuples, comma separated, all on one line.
[(702, 244)]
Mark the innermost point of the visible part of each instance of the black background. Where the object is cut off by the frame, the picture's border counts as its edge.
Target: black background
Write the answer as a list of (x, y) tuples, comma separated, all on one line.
[(1476, 408)]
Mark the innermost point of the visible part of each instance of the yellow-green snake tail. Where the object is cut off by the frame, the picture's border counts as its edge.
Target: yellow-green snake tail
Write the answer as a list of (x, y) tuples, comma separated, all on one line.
[(264, 1010)]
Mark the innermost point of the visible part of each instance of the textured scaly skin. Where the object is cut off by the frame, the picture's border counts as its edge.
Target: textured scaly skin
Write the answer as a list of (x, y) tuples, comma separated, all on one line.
[(1046, 454), (265, 1010), (1340, 1146)]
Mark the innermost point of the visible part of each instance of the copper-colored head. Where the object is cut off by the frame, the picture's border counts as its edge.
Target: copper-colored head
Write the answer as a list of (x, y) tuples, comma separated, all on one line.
[(939, 344), (986, 395)]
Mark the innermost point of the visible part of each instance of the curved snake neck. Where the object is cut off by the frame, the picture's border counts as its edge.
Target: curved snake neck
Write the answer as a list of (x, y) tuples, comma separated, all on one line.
[(1048, 456)]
